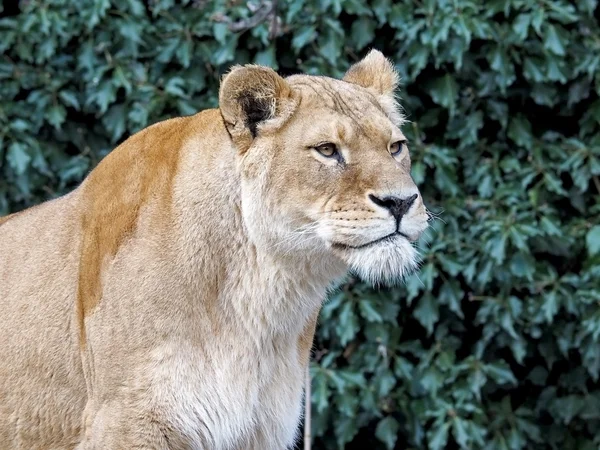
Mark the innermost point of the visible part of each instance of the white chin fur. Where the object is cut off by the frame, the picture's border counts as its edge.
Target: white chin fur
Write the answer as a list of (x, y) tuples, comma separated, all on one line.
[(387, 263)]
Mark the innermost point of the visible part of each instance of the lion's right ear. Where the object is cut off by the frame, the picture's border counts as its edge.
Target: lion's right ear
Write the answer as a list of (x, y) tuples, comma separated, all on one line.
[(254, 99)]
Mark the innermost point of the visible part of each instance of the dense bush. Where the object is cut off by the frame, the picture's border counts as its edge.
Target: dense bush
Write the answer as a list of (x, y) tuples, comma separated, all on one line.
[(495, 344)]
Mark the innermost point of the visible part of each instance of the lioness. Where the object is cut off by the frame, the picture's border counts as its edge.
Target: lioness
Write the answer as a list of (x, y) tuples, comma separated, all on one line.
[(170, 301)]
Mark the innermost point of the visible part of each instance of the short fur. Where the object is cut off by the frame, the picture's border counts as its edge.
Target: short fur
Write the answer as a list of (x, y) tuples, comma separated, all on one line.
[(170, 301)]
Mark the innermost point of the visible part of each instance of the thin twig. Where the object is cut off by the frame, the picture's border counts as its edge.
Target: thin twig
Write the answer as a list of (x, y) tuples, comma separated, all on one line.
[(274, 31), (262, 13), (307, 404)]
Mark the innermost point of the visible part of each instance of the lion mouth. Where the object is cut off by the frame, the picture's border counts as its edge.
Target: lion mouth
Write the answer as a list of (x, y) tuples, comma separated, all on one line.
[(387, 238)]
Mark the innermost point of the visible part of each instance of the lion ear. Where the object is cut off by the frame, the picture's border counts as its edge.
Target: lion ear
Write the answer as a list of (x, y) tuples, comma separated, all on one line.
[(377, 74), (253, 99)]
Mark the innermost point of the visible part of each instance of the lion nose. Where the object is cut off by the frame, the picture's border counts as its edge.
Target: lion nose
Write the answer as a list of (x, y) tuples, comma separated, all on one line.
[(395, 205)]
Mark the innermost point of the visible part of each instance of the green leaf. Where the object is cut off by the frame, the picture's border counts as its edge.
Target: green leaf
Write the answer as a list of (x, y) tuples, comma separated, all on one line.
[(403, 368), (352, 378), (175, 87), (385, 383), (553, 42), (114, 121), (18, 158), (550, 305), (320, 392), (303, 37), (362, 32), (220, 32), (267, 57), (368, 312), (56, 115), (381, 8), (592, 240), (519, 130), (500, 373), (347, 325), (498, 249), (69, 98), (345, 430), (444, 91), (427, 313), (521, 25), (331, 46), (451, 295), (438, 436), (387, 431), (460, 433)]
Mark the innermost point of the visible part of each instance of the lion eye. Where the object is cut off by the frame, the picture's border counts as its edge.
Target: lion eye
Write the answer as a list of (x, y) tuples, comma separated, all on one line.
[(328, 150), (397, 147)]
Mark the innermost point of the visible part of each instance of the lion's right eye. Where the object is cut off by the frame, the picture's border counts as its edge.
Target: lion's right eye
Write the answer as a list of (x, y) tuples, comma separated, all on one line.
[(328, 150)]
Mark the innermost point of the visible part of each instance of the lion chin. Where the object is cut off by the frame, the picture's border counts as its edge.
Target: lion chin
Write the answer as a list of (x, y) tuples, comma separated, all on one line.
[(383, 263)]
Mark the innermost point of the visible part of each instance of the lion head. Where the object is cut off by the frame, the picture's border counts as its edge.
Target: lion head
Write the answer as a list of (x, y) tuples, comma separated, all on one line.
[(325, 168)]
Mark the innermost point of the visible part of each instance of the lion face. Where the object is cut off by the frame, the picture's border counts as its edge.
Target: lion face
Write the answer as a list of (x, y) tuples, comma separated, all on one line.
[(326, 169)]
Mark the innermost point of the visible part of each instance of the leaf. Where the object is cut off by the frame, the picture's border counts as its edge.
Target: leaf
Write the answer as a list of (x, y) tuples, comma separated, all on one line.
[(267, 57), (69, 98), (459, 430), (56, 115), (362, 32), (550, 305), (131, 31), (381, 8), (320, 392), (226, 52), (331, 46), (521, 25), (427, 313), (347, 325), (500, 373), (438, 437), (450, 295), (403, 368), (444, 91), (387, 431), (353, 378), (592, 240), (368, 312), (303, 37), (175, 87), (519, 130), (539, 15), (345, 429), (18, 157), (385, 383), (114, 121), (220, 32), (553, 42), (568, 407), (498, 249)]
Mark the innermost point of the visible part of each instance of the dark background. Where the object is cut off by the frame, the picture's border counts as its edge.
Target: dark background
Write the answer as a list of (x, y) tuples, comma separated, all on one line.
[(494, 344)]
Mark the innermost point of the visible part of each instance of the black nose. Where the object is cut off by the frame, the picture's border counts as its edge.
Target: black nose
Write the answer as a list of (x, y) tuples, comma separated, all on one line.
[(395, 205)]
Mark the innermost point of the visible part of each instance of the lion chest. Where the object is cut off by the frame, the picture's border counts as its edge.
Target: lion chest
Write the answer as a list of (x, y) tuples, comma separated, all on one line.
[(232, 399)]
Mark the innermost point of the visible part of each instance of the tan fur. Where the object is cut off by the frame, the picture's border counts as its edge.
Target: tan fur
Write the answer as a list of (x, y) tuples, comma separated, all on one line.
[(110, 215), (170, 302)]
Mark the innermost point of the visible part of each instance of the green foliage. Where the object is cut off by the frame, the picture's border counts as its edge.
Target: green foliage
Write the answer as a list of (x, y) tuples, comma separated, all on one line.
[(494, 344)]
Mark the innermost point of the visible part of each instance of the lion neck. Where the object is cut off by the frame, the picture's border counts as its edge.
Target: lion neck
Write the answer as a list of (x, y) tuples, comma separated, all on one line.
[(250, 287)]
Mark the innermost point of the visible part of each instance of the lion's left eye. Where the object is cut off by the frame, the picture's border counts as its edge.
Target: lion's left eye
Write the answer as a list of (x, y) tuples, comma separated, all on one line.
[(397, 147), (328, 150)]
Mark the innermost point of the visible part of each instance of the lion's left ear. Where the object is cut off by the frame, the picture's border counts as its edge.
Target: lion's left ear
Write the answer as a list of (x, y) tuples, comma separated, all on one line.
[(377, 74), (254, 99)]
